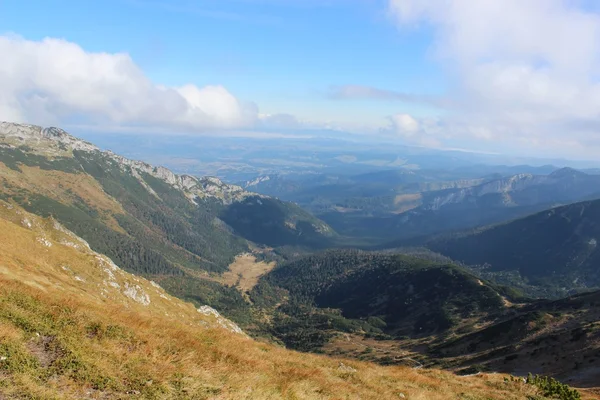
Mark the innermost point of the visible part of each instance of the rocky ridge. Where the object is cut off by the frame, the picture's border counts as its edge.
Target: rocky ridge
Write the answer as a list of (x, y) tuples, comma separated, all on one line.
[(55, 142), (520, 189)]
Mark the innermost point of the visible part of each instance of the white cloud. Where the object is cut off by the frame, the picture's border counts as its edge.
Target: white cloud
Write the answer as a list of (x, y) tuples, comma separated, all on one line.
[(280, 121), (422, 132), (525, 71), (53, 81), (405, 124)]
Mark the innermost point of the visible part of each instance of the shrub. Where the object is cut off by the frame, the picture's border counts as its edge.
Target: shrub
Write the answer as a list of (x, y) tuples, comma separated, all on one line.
[(552, 388)]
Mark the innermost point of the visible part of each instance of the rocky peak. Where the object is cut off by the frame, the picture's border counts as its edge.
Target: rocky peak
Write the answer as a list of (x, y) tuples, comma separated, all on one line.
[(45, 140), (191, 186), (54, 141), (20, 130), (258, 180)]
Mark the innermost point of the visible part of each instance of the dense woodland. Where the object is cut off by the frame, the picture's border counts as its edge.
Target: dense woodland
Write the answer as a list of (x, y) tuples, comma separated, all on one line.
[(382, 295)]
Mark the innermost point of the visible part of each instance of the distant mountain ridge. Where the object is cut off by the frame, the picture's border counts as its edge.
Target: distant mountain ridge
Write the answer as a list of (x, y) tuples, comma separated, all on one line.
[(400, 204), (490, 202), (562, 185)]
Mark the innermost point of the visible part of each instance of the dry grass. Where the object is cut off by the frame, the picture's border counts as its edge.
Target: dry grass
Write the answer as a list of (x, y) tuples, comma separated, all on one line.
[(64, 187), (245, 271), (367, 349), (158, 358)]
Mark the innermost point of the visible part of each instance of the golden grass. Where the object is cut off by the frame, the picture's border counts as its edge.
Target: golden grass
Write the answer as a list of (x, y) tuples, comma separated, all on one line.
[(66, 188), (245, 271), (158, 358), (71, 267)]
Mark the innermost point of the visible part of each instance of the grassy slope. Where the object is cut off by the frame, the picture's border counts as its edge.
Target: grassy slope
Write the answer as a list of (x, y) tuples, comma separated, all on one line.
[(64, 333), (147, 226), (559, 338)]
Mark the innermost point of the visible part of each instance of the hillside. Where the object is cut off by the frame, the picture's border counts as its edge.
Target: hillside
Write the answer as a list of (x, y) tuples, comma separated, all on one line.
[(555, 248), (73, 325), (379, 295), (179, 230)]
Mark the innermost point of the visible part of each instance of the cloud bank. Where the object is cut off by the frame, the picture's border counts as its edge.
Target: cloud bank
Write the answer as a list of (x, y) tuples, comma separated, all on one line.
[(54, 81), (525, 72)]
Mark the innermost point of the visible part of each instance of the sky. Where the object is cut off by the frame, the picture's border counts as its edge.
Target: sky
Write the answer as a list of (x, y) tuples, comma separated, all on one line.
[(512, 76)]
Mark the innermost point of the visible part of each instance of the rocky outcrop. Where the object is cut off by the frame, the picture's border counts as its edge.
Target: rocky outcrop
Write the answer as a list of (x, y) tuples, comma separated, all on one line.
[(56, 139), (221, 321)]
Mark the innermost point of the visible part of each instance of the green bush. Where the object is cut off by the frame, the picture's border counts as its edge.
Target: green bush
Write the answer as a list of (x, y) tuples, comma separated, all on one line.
[(552, 388)]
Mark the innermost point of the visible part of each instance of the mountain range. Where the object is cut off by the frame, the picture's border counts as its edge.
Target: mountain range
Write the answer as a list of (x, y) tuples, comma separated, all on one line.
[(379, 206), (73, 325)]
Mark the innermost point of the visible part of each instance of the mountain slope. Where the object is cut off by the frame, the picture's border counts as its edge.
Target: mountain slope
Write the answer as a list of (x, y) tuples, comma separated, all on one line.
[(176, 229), (557, 247), (561, 186), (41, 253), (402, 310), (496, 201), (75, 326), (559, 338)]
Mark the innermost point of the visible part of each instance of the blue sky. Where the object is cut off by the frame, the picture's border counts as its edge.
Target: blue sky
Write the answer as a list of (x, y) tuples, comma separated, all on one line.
[(282, 55), (510, 76)]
